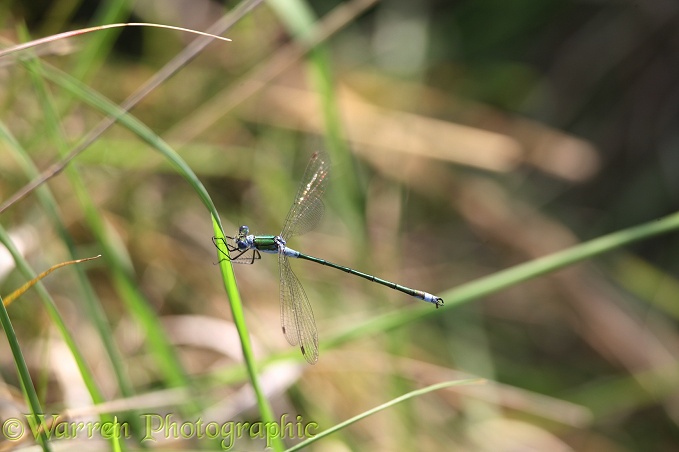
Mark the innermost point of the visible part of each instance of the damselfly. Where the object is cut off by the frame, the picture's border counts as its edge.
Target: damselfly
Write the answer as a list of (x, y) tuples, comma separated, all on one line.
[(297, 318)]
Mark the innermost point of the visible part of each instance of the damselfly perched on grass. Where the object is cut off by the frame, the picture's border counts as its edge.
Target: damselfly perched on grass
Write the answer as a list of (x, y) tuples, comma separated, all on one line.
[(297, 317)]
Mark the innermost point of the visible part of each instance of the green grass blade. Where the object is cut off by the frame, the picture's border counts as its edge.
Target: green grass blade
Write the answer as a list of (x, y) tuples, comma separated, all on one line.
[(241, 326), (28, 273), (141, 310), (172, 67), (379, 408), (23, 289), (503, 279), (117, 444), (96, 100), (91, 303), (124, 281), (24, 375), (163, 351)]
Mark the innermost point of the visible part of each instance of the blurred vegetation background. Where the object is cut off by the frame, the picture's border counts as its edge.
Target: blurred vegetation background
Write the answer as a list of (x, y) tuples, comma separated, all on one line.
[(467, 137)]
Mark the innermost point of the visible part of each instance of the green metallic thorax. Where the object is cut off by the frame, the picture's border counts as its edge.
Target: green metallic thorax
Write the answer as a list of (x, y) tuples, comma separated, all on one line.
[(266, 243)]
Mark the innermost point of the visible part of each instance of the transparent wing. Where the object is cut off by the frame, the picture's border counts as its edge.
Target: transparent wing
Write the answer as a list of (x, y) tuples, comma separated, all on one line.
[(307, 208), (297, 318)]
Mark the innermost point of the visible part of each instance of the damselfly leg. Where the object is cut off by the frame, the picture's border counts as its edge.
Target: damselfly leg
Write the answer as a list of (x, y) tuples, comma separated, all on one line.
[(241, 256)]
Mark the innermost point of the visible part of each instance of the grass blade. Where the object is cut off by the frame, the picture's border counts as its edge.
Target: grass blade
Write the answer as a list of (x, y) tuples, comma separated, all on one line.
[(172, 67), (82, 31), (382, 407), (24, 375), (127, 289), (21, 290), (506, 278), (239, 320), (91, 303)]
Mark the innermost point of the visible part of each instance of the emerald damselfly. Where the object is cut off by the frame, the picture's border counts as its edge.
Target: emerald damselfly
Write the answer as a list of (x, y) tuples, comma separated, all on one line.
[(297, 317)]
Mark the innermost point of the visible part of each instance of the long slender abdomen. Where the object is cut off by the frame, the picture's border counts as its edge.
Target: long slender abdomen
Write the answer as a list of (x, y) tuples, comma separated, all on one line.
[(407, 290)]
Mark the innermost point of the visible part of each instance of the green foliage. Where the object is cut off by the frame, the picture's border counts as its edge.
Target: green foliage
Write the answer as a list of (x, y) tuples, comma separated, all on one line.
[(438, 183)]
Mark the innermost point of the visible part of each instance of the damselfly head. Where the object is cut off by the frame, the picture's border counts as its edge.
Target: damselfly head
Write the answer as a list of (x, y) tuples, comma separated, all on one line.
[(242, 238), (243, 231)]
